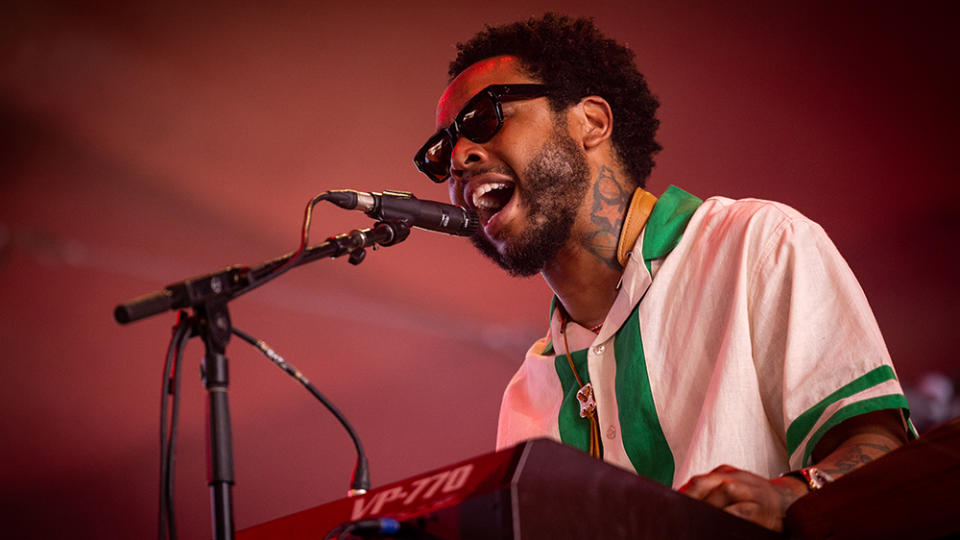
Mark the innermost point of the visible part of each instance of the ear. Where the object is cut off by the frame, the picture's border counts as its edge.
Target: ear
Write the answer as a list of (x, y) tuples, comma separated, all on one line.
[(596, 120)]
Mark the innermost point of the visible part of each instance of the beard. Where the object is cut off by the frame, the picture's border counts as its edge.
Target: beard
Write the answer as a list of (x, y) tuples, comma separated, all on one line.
[(555, 185)]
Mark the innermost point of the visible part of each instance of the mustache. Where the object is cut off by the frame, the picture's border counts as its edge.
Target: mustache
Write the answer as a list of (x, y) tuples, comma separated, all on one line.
[(502, 170)]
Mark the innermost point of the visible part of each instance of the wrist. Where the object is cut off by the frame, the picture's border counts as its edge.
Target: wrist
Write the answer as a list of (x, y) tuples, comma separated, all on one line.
[(811, 478), (790, 489)]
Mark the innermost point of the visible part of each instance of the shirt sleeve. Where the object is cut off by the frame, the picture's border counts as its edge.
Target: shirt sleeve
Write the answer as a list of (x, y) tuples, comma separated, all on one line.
[(817, 346), (531, 402)]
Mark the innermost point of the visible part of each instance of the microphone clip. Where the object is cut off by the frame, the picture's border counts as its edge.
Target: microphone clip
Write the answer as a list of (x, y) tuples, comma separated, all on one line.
[(385, 233)]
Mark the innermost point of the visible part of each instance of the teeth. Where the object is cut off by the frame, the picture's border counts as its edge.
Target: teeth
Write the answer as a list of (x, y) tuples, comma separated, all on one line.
[(483, 190)]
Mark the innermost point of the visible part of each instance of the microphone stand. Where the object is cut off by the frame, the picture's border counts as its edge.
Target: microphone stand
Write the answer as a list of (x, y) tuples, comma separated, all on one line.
[(214, 327), (208, 296)]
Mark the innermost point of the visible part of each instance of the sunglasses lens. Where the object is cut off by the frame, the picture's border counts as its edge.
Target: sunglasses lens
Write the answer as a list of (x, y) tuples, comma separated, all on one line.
[(479, 121), (434, 158)]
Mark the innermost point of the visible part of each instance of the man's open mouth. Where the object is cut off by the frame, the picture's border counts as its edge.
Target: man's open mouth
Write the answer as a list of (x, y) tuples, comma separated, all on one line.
[(489, 199)]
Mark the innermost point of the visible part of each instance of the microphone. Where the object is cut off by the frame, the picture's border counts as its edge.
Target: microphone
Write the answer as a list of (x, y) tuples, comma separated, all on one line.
[(403, 206)]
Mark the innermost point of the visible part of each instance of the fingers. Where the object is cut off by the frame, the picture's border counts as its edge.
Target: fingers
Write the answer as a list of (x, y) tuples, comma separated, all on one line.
[(701, 485), (740, 493), (748, 510), (729, 492)]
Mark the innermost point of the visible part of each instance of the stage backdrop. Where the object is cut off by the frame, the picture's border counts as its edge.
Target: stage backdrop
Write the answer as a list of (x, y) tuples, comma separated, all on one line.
[(144, 143)]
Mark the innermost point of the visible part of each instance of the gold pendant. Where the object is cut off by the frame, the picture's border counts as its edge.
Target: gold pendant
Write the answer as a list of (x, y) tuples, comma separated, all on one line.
[(588, 405)]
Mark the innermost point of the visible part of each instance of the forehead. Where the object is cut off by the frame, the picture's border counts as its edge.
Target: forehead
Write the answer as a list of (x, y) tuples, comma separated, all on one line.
[(496, 70)]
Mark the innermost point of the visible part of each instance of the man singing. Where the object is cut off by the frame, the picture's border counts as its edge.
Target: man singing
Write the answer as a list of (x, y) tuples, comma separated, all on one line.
[(719, 346)]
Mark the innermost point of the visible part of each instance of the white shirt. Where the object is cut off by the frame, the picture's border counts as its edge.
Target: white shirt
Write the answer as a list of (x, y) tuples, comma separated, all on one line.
[(756, 339)]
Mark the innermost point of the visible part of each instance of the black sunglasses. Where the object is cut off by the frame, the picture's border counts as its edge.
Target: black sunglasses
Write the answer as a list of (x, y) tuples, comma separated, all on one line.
[(479, 120)]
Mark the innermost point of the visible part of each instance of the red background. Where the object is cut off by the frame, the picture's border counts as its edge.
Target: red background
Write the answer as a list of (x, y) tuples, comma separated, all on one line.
[(143, 144)]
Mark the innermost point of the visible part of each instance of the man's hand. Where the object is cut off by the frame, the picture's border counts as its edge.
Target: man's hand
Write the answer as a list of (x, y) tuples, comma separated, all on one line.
[(746, 495), (848, 446)]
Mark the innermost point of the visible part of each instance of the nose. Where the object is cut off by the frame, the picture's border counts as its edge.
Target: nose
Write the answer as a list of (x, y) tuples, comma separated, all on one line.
[(465, 154)]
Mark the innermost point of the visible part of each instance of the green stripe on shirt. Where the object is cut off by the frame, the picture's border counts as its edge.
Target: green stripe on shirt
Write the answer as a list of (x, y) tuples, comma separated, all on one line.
[(643, 438), (667, 221), (574, 430), (804, 423), (879, 403)]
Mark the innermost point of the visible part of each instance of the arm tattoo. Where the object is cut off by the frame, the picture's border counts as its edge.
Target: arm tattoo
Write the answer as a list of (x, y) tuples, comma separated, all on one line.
[(855, 457), (610, 202)]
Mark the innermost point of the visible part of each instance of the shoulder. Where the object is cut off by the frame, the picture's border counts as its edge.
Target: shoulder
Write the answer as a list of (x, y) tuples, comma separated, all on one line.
[(757, 212), (756, 224)]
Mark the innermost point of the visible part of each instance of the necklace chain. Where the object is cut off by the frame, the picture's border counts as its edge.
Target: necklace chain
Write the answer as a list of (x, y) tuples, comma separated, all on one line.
[(585, 395)]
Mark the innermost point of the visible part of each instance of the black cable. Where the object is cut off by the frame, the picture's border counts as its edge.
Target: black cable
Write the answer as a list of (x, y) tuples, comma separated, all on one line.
[(298, 255), (374, 528), (178, 340), (335, 532), (164, 390), (174, 423), (360, 482)]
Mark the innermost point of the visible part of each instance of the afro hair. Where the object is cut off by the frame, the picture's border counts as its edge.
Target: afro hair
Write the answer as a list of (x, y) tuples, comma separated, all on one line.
[(575, 60)]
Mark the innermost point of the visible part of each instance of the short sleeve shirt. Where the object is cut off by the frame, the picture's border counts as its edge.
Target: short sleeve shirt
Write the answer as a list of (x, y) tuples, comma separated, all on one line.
[(739, 336)]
